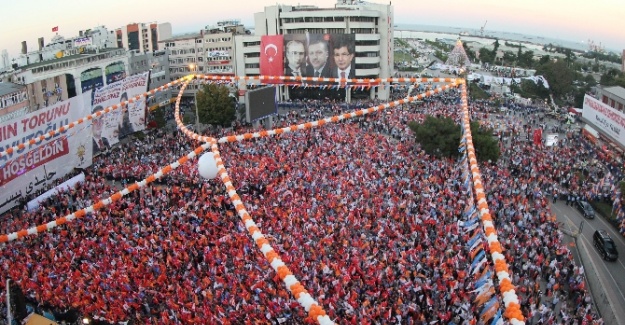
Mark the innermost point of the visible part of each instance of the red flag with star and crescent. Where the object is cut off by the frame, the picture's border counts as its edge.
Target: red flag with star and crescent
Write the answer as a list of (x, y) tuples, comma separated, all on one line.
[(271, 55)]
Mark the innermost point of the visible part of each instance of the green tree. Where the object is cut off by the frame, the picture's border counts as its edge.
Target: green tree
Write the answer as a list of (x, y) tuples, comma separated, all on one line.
[(495, 47), (486, 56), (509, 57), (215, 106), (613, 77), (527, 59), (159, 117), (485, 144), (440, 137), (560, 77)]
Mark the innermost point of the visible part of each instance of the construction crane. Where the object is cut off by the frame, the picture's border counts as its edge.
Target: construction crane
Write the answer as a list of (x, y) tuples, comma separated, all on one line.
[(482, 29)]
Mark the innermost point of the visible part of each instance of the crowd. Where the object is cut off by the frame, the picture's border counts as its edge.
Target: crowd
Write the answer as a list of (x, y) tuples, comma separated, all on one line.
[(365, 219)]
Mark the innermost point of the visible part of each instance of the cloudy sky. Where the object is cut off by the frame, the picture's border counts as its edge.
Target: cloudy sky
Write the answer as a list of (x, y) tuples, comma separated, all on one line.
[(575, 20)]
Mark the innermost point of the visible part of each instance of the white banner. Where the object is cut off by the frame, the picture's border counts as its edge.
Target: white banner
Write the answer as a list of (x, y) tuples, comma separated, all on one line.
[(605, 118), (121, 122), (29, 170), (65, 186), (82, 41)]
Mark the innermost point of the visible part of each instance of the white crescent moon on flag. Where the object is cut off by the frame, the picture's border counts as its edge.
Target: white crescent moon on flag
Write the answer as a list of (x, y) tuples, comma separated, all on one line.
[(273, 46)]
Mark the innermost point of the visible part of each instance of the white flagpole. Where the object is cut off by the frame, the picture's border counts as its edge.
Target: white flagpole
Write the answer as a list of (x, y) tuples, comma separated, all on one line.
[(9, 316)]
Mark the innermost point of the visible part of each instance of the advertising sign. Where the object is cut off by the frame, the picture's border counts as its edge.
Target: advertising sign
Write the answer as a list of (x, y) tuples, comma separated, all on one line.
[(31, 169), (606, 119)]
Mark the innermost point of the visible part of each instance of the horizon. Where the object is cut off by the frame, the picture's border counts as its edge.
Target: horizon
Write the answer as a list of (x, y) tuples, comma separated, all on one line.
[(559, 19)]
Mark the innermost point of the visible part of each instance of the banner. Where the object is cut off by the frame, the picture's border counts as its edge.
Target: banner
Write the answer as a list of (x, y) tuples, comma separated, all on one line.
[(31, 169), (68, 184), (604, 118), (271, 52), (121, 122)]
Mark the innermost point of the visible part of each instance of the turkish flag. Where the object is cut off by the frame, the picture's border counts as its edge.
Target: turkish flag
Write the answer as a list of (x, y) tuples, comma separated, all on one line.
[(55, 29), (538, 137), (271, 55)]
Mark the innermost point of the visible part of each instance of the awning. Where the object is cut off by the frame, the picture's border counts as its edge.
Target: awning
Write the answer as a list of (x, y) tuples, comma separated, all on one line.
[(34, 319), (592, 131)]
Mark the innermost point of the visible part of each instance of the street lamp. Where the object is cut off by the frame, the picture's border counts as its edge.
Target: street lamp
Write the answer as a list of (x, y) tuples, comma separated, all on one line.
[(192, 68)]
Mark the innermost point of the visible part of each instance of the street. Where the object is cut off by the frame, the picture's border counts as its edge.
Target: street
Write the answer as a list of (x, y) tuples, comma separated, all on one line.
[(605, 279)]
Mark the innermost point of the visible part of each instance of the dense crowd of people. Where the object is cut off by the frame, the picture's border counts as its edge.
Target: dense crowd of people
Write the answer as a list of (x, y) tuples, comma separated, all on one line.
[(367, 221)]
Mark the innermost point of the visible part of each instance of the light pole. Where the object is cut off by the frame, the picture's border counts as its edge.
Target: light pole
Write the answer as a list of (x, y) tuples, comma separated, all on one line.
[(197, 115)]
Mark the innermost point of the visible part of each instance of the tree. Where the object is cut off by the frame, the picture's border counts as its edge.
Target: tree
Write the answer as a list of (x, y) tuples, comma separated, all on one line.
[(495, 47), (159, 117), (215, 106), (440, 137), (560, 77), (486, 56), (485, 144), (526, 59)]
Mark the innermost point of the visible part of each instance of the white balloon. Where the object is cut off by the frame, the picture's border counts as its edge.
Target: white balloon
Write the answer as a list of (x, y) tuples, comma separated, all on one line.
[(207, 167)]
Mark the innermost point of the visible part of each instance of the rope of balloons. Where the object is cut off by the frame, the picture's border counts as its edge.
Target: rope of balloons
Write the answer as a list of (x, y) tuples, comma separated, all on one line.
[(506, 288), (370, 81)]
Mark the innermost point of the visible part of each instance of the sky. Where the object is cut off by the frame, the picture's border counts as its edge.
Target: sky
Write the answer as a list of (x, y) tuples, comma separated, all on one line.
[(575, 20)]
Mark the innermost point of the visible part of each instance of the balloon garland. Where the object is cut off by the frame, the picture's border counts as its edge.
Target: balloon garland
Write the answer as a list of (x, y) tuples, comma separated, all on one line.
[(511, 301)]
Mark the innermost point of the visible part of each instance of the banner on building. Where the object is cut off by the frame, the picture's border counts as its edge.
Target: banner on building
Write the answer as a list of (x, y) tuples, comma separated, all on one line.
[(29, 170), (604, 118), (271, 52), (119, 123)]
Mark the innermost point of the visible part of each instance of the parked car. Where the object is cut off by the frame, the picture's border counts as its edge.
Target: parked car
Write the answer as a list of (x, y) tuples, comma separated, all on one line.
[(585, 209), (605, 245)]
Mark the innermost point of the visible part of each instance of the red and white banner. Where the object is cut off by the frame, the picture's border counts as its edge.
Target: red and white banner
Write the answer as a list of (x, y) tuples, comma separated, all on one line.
[(55, 29), (31, 169), (271, 55), (604, 118), (121, 122)]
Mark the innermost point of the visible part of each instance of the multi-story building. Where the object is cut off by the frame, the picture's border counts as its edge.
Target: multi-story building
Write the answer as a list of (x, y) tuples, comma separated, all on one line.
[(143, 37), (211, 51), (368, 25), (613, 96), (66, 68), (13, 101)]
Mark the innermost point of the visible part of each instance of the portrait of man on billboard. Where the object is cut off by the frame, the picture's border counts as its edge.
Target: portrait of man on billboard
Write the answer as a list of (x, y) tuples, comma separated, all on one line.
[(318, 54), (343, 52), (295, 52)]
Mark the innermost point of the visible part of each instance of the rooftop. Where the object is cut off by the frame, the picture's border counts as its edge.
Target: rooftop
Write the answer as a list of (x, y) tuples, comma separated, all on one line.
[(616, 91), (9, 87), (85, 54)]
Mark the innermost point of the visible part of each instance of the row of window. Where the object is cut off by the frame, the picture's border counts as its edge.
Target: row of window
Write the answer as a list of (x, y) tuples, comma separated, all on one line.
[(200, 50), (612, 103), (327, 19)]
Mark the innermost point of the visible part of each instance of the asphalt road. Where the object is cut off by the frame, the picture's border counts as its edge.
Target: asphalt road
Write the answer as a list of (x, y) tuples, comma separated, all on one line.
[(607, 279)]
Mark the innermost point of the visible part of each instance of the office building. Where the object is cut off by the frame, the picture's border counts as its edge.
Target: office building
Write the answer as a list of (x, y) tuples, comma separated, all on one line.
[(142, 37), (369, 26)]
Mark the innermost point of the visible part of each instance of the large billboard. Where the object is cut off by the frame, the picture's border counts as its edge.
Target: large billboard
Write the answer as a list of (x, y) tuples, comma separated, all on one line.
[(260, 103), (308, 55), (115, 125), (31, 169), (605, 118)]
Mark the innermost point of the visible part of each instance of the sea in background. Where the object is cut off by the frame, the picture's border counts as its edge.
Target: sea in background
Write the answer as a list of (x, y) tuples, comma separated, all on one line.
[(473, 35)]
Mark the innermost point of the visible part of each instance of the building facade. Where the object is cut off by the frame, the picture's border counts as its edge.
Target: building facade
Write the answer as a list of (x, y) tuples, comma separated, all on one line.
[(143, 37), (158, 64), (613, 96), (211, 51), (13, 101), (368, 25)]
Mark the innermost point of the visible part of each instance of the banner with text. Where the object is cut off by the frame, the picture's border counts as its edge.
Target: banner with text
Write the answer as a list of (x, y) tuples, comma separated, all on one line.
[(31, 169), (605, 118), (118, 124)]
